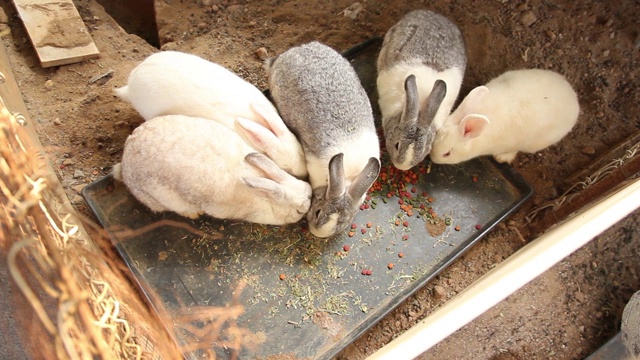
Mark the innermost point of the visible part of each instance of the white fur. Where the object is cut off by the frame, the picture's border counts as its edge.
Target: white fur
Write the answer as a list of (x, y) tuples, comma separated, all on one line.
[(527, 110), (193, 165), (328, 228), (392, 95), (175, 83)]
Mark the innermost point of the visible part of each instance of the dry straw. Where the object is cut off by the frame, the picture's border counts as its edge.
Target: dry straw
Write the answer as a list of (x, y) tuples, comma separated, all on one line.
[(83, 302)]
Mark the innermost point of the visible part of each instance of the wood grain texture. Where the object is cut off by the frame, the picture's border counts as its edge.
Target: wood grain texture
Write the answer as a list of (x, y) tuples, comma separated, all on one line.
[(57, 32)]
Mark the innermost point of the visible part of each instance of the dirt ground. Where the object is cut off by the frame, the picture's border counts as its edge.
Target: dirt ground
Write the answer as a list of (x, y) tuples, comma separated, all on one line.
[(567, 313)]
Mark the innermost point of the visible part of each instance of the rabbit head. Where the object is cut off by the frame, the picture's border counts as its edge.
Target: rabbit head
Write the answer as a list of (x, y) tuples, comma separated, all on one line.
[(458, 139), (288, 198), (409, 135), (334, 206)]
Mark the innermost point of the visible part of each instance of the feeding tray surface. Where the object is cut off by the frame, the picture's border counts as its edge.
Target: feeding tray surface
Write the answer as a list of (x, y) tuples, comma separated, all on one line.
[(278, 292)]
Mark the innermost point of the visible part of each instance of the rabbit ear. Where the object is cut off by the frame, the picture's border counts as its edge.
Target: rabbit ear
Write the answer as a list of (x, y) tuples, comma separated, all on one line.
[(471, 100), (438, 93), (271, 117), (365, 179), (265, 188), (260, 137), (473, 125), (411, 102), (267, 166), (336, 185)]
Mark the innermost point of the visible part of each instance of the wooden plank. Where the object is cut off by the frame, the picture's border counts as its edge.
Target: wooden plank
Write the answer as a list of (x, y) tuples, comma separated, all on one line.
[(615, 152), (57, 32)]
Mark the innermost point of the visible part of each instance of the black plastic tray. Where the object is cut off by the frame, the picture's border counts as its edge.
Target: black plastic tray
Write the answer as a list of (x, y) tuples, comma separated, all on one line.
[(277, 292)]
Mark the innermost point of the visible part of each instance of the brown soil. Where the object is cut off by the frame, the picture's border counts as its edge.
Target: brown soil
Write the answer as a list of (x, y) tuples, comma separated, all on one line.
[(565, 314)]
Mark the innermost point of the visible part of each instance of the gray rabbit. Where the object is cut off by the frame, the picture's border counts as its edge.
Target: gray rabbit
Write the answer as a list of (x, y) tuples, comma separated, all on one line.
[(420, 69), (321, 100)]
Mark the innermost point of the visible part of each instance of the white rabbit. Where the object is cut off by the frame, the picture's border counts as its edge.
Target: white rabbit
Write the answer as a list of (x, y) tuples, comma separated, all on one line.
[(176, 83), (420, 69), (322, 101), (520, 110), (193, 165)]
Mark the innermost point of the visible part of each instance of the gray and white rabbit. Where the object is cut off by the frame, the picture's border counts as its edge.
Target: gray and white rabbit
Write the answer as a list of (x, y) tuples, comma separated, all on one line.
[(193, 165), (520, 110), (420, 69), (320, 98), (177, 83)]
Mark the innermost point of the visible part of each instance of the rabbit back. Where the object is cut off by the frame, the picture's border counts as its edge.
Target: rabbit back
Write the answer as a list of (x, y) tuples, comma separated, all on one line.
[(157, 164), (321, 99), (194, 165), (176, 83), (423, 37)]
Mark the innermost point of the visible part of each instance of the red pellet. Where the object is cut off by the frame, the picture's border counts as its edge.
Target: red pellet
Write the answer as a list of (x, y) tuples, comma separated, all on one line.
[(346, 248), (478, 227), (354, 226)]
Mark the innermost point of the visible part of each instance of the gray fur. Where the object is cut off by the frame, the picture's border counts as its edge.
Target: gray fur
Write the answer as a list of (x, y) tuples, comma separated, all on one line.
[(438, 93), (415, 129), (320, 98), (421, 49), (425, 36), (324, 95), (335, 198)]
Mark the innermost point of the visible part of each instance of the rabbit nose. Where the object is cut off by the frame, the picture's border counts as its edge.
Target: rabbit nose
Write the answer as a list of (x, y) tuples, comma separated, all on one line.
[(447, 154)]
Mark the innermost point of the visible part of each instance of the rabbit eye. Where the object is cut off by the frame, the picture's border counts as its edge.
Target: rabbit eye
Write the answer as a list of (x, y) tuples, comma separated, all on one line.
[(398, 146), (318, 213), (447, 153)]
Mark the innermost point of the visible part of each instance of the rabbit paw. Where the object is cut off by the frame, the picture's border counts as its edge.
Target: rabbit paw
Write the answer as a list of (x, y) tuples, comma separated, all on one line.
[(506, 158), (192, 215)]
